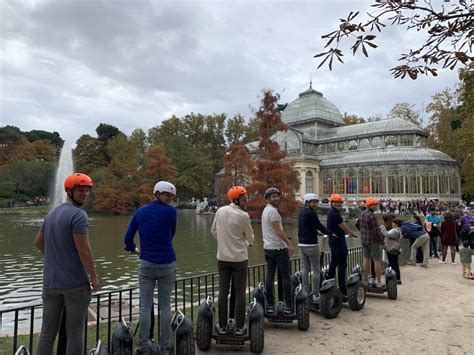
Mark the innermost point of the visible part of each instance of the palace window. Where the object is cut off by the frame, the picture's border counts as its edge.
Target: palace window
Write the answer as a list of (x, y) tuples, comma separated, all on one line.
[(377, 142), (378, 183), (338, 182), (309, 182), (352, 145), (364, 181), (351, 182)]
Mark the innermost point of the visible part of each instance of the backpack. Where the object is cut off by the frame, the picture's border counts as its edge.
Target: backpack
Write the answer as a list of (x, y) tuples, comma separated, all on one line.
[(122, 339), (467, 220), (409, 228)]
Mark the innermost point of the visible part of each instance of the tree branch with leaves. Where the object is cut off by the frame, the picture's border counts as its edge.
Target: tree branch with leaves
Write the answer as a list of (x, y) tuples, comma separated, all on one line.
[(449, 32)]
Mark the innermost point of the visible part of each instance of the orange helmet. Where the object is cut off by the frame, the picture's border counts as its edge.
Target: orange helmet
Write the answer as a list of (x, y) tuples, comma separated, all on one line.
[(235, 192), (372, 201), (335, 198), (77, 179)]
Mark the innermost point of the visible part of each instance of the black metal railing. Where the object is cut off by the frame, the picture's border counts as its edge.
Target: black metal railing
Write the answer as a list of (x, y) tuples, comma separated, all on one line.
[(108, 307)]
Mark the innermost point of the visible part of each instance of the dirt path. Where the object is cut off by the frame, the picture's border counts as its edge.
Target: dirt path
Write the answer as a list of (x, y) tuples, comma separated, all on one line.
[(434, 314)]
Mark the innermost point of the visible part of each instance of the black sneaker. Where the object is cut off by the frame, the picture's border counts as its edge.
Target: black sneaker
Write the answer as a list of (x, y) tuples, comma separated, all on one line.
[(345, 298), (220, 330), (270, 309), (288, 310)]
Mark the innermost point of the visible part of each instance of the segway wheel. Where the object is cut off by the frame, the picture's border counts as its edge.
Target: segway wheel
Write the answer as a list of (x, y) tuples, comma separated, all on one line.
[(302, 314), (203, 333), (186, 345), (331, 303), (392, 288), (257, 335), (356, 296)]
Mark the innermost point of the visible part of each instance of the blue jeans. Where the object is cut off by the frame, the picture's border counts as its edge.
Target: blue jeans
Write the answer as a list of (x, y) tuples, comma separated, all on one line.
[(164, 275), (74, 301)]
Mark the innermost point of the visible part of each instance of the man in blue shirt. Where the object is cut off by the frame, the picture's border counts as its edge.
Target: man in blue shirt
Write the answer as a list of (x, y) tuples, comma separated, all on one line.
[(338, 243), (308, 226), (156, 225)]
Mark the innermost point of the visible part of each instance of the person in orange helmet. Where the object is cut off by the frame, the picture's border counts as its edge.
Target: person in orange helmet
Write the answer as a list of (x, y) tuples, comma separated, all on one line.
[(69, 272), (371, 239), (233, 232), (337, 243)]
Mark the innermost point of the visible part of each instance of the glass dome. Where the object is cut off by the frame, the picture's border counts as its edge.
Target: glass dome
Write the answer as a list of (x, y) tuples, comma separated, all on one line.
[(311, 106)]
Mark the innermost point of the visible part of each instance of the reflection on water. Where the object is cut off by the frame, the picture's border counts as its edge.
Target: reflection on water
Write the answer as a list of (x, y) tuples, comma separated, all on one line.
[(21, 264)]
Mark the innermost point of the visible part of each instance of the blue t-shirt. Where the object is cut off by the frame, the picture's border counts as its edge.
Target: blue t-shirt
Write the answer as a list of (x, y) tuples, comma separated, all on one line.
[(433, 219), (334, 218), (62, 265), (156, 225)]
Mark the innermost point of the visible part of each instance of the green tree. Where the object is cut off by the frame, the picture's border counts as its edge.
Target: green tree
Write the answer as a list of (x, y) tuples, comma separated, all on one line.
[(466, 130), (195, 177), (270, 168), (106, 132), (448, 29), (30, 178), (442, 110), (406, 112), (88, 154)]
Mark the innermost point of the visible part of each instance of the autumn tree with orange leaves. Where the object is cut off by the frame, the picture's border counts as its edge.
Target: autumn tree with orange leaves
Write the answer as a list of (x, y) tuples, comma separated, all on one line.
[(157, 167), (237, 167), (270, 168)]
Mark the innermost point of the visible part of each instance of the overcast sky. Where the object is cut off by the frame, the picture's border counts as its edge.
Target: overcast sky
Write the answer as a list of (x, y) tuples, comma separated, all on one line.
[(69, 65)]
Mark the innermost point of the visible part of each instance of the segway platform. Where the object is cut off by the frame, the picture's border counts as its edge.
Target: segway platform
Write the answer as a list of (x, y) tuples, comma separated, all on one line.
[(279, 316), (390, 285)]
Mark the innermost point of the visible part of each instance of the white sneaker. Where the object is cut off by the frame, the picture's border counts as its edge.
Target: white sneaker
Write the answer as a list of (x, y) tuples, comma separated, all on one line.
[(441, 262), (454, 263)]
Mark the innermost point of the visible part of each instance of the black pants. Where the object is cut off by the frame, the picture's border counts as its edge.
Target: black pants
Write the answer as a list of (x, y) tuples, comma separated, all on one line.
[(278, 259), (393, 262), (339, 260), (237, 272)]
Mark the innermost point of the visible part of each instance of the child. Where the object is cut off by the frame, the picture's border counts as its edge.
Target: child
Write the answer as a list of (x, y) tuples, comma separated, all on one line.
[(465, 255)]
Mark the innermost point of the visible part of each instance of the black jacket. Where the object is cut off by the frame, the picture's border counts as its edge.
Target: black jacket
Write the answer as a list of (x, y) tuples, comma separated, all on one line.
[(308, 226)]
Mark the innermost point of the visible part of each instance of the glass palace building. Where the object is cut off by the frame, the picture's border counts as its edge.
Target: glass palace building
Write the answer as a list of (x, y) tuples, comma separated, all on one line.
[(386, 159)]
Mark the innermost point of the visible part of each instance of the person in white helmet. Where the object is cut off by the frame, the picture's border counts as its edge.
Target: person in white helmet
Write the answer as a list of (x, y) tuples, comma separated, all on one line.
[(308, 226), (156, 225)]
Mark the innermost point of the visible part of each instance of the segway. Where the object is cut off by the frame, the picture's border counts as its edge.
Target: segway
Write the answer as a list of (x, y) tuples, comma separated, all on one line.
[(390, 285), (356, 294), (182, 334), (182, 339), (330, 297), (205, 332), (300, 307)]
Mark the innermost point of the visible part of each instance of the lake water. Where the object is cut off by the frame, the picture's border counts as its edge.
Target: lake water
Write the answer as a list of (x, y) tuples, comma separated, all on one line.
[(21, 264)]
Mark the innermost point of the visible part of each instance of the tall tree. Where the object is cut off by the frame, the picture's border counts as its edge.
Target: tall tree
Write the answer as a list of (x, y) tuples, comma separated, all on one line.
[(88, 154), (466, 130), (157, 167), (118, 189), (195, 175), (442, 110), (106, 132), (406, 112), (449, 30), (270, 169), (237, 166)]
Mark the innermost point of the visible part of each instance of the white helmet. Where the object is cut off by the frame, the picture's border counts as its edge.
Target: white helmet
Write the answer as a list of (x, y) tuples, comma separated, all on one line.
[(310, 197), (164, 186)]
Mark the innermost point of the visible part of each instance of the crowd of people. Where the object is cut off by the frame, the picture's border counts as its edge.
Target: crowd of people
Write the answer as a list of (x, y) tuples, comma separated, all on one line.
[(70, 275)]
